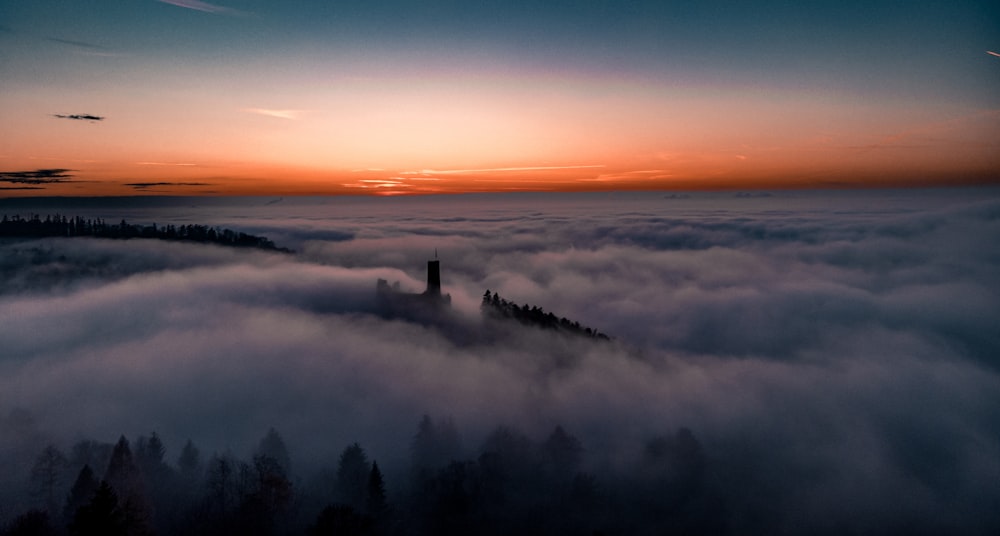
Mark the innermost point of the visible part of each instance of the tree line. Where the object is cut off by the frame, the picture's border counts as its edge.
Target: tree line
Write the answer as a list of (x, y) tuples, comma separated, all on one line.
[(509, 485), (60, 226), (494, 306)]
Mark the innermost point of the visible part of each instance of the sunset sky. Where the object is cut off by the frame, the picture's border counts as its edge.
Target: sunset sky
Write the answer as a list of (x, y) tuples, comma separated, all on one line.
[(394, 97)]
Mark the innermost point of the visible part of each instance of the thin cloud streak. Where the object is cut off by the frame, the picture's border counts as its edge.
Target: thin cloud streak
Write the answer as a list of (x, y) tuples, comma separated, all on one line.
[(990, 52), (78, 44), (86, 49), (148, 185), (198, 6), (293, 115), (205, 7), (495, 170), (647, 174)]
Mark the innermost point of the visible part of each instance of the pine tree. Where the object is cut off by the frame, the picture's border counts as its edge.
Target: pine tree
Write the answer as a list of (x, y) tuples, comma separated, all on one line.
[(189, 461), (149, 455), (125, 478), (80, 494), (122, 473), (273, 446), (433, 446), (220, 481), (561, 454), (352, 476), (376, 505), (101, 516)]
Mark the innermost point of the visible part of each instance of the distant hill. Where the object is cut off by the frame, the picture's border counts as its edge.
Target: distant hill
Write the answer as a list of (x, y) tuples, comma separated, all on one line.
[(494, 306), (61, 226)]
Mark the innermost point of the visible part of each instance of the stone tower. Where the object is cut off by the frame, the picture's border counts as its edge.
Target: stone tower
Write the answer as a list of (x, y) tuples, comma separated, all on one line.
[(433, 278)]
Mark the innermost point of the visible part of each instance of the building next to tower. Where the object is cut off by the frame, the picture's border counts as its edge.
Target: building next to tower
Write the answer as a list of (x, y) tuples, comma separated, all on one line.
[(394, 302)]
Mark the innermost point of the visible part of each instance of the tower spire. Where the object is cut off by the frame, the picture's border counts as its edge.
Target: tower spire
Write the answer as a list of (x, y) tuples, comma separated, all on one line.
[(433, 277)]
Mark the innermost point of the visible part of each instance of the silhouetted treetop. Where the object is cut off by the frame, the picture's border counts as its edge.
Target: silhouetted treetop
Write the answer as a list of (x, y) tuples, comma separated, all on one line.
[(273, 446), (376, 505), (353, 472), (511, 484), (46, 475), (61, 226), (189, 460), (79, 495)]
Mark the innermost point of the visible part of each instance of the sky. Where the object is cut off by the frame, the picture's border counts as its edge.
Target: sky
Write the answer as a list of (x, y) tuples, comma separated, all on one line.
[(393, 97), (835, 354)]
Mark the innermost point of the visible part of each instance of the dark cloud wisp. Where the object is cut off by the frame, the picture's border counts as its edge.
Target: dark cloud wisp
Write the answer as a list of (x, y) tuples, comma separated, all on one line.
[(80, 117), (37, 176), (148, 185)]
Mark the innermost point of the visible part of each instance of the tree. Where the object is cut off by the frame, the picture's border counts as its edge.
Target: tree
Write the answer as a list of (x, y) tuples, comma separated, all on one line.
[(677, 465), (512, 446), (510, 466), (273, 446), (92, 453), (149, 453), (102, 516), (220, 483), (263, 494), (272, 490), (123, 473), (125, 479), (31, 523), (433, 446), (423, 448), (189, 461), (47, 475), (376, 505), (352, 476), (80, 494), (453, 503), (561, 454), (341, 520)]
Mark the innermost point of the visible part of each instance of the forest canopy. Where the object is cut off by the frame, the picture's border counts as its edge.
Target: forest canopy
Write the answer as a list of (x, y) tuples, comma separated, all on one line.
[(133, 487), (60, 226)]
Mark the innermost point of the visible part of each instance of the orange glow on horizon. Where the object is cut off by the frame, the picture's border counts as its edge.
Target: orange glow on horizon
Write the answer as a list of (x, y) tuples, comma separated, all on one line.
[(814, 168), (433, 138)]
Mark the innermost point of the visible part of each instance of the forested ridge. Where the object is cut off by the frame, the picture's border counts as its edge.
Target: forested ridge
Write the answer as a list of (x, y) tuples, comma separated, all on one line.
[(61, 226), (494, 306), (509, 485)]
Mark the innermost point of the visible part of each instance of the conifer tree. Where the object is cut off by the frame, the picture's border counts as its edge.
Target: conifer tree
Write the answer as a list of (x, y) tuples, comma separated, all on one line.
[(125, 478), (102, 515), (273, 446), (80, 494), (352, 476), (376, 505), (189, 460)]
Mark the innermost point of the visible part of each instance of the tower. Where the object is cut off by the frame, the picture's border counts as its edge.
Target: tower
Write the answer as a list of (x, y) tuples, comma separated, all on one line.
[(433, 278)]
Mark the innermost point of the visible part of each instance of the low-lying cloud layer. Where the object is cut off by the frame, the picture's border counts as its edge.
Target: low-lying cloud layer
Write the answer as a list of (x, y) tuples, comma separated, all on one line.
[(837, 358)]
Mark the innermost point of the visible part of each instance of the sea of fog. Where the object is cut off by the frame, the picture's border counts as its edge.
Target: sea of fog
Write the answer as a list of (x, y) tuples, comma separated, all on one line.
[(835, 354)]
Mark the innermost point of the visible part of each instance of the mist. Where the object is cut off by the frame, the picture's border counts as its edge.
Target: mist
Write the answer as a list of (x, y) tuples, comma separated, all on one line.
[(834, 356)]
